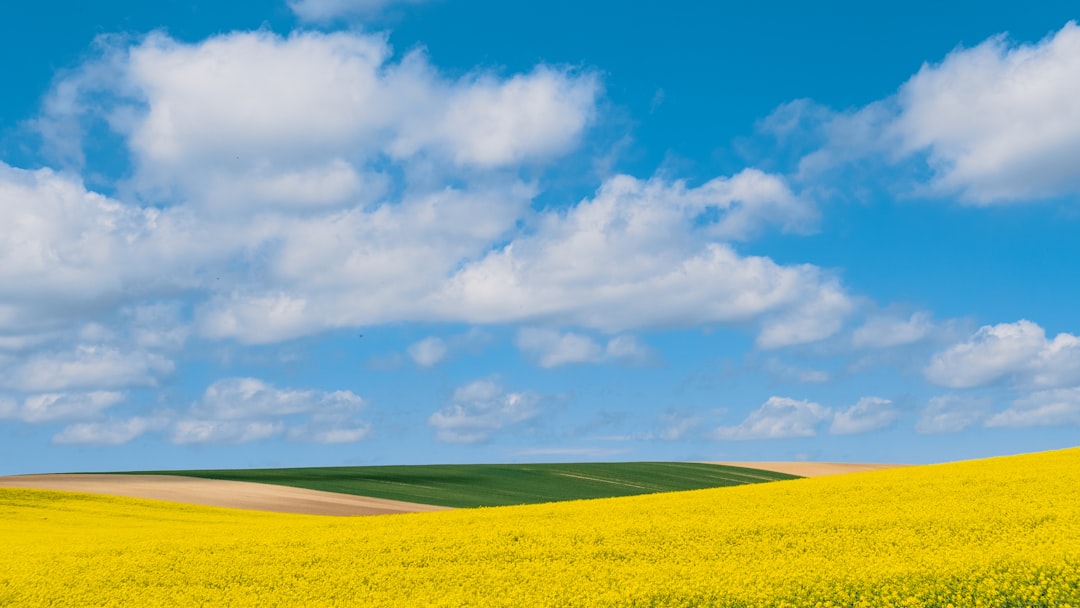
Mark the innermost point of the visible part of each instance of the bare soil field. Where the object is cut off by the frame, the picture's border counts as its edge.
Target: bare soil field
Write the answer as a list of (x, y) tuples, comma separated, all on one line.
[(811, 469), (218, 493)]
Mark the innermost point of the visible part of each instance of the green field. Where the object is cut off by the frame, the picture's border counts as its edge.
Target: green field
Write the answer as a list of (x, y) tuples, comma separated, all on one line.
[(485, 485)]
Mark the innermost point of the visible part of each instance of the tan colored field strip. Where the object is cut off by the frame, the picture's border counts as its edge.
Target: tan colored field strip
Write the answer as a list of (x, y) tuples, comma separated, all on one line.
[(218, 493), (811, 469)]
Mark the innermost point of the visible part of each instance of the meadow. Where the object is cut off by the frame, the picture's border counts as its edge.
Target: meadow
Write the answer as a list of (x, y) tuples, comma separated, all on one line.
[(1002, 532), (489, 485)]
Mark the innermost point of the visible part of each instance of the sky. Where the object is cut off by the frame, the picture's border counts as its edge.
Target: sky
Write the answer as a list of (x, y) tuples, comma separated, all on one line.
[(275, 233)]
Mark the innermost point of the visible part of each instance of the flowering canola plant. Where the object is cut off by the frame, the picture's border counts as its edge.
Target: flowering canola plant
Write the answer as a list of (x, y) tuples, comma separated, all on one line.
[(996, 532)]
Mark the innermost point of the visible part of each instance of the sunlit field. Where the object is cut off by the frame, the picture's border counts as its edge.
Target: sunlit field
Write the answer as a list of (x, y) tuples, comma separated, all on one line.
[(997, 532), (492, 485)]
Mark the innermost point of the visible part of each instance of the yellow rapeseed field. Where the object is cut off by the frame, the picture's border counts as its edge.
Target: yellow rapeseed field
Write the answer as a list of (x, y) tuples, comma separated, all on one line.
[(997, 532)]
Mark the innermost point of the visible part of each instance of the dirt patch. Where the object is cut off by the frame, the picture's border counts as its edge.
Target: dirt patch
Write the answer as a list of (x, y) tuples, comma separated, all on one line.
[(218, 493), (811, 469)]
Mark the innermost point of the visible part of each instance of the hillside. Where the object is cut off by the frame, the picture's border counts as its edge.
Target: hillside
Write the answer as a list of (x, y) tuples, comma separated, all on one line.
[(487, 485)]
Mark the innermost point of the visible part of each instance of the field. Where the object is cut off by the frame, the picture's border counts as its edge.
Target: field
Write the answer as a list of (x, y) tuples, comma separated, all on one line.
[(486, 485), (1001, 532)]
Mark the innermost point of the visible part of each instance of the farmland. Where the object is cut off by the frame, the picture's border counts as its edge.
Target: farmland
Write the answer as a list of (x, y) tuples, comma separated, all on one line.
[(498, 485), (996, 532)]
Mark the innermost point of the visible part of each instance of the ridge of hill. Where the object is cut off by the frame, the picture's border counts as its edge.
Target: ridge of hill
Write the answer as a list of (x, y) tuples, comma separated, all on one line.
[(487, 485)]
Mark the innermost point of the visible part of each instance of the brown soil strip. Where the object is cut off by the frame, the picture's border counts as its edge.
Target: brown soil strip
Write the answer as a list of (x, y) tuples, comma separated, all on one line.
[(811, 469), (218, 493)]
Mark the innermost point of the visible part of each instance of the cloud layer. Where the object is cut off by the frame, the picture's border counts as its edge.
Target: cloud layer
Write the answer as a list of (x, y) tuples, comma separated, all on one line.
[(1018, 351)]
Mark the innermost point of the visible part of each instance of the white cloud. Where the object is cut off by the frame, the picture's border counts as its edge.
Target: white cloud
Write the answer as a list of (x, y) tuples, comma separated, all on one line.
[(109, 433), (551, 348), (886, 331), (1001, 122), (158, 326), (230, 411), (479, 409), (57, 407), (1058, 407), (599, 265), (251, 398), (636, 256), (275, 154), (868, 414), (428, 352), (489, 123), (189, 431), (817, 317), (951, 414), (250, 120), (86, 366), (243, 410), (991, 353), (328, 10), (998, 123), (627, 350), (1018, 350), (315, 434), (777, 418), (66, 251), (362, 266)]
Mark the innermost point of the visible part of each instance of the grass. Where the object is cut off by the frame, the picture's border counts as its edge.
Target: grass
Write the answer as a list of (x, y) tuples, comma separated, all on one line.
[(486, 485)]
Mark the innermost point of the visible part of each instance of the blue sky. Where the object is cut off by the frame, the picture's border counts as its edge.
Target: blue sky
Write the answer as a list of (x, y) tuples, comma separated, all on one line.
[(336, 232)]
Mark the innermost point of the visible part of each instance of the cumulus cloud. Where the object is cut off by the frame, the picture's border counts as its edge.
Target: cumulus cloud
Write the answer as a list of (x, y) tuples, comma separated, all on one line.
[(279, 208), (158, 326), (362, 266), (244, 410), (777, 418), (66, 252), (951, 414), (86, 366), (480, 409), (1020, 351), (638, 255), (253, 120), (627, 350), (61, 407), (551, 348), (599, 265), (108, 433), (435, 349), (1001, 122), (997, 123), (190, 431), (886, 331), (428, 352), (329, 435), (1057, 407), (868, 414), (247, 398)]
